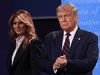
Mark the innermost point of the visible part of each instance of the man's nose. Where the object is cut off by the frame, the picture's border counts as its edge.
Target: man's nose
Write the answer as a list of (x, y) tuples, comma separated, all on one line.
[(63, 19)]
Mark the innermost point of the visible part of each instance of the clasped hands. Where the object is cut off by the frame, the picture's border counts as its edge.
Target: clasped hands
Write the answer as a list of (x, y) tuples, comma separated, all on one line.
[(60, 62)]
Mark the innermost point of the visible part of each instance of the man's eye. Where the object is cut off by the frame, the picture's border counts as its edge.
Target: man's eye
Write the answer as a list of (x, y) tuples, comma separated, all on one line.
[(67, 15), (59, 16)]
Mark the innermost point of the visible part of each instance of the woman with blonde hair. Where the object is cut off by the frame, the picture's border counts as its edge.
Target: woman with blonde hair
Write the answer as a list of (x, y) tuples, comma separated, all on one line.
[(25, 49)]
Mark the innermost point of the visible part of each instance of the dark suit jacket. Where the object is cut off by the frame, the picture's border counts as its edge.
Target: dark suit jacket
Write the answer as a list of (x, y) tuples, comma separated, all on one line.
[(82, 57), (26, 61)]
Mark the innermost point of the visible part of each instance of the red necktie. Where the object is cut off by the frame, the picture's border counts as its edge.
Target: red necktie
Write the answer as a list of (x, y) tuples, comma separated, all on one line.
[(66, 45)]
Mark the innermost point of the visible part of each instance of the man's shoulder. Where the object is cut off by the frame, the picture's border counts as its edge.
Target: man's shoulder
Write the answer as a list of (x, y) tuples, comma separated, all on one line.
[(54, 33), (88, 33)]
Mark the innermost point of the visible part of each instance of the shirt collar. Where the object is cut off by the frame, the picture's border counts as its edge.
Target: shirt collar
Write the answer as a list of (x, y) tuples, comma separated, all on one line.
[(20, 40), (72, 32)]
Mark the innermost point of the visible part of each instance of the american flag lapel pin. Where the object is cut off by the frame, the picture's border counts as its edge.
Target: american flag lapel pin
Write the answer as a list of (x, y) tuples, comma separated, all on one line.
[(79, 39)]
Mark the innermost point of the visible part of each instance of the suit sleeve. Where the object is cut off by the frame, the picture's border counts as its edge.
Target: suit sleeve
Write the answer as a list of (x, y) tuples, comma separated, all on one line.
[(45, 63), (89, 61), (35, 51)]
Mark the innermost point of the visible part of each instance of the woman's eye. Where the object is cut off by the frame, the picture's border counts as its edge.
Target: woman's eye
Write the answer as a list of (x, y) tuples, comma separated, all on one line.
[(15, 23), (20, 22)]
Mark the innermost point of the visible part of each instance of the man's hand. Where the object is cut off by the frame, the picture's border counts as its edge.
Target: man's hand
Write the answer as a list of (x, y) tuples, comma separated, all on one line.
[(61, 62)]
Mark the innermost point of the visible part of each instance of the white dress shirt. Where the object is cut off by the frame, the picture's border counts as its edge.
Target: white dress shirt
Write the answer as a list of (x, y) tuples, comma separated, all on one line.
[(70, 38), (18, 43)]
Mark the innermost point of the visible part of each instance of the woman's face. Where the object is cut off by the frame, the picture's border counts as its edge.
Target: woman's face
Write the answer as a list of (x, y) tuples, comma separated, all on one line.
[(19, 27)]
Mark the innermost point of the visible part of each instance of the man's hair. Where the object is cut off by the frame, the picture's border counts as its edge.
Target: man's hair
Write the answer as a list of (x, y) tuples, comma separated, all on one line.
[(65, 7)]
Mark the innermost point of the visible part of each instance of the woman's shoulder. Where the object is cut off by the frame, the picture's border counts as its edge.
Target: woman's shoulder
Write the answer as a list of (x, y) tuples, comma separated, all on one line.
[(13, 42), (36, 41)]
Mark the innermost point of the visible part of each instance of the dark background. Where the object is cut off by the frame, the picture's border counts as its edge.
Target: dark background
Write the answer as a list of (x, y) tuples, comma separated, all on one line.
[(5, 13), (46, 9), (44, 26), (37, 8)]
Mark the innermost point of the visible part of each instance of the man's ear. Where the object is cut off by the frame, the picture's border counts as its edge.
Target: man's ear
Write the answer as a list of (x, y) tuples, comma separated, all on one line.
[(76, 17)]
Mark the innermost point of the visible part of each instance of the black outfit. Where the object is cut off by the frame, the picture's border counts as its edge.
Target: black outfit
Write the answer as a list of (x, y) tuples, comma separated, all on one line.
[(82, 56), (26, 61)]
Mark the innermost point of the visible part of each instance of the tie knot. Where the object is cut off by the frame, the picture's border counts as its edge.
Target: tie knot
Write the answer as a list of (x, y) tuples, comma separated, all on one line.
[(68, 34)]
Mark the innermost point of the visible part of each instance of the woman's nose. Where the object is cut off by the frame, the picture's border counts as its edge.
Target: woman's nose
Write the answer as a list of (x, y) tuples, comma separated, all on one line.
[(17, 25)]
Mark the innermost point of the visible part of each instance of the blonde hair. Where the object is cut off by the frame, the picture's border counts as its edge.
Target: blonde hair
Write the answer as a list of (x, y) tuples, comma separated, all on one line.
[(25, 17), (68, 6)]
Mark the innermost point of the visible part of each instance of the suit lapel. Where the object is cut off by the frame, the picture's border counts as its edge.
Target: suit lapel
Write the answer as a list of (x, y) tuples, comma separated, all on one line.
[(19, 54), (75, 43), (9, 57), (58, 43)]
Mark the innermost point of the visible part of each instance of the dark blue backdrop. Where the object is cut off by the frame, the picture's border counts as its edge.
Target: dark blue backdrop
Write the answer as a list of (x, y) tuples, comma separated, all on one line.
[(37, 7)]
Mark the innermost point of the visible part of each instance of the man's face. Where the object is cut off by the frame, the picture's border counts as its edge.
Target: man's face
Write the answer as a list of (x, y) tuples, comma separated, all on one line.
[(67, 20)]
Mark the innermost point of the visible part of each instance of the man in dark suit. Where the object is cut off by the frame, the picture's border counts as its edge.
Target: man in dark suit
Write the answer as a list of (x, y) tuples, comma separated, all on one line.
[(82, 51)]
